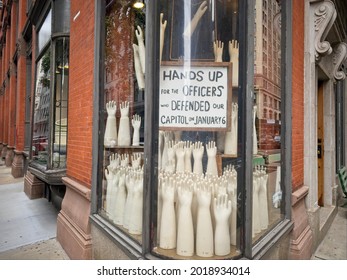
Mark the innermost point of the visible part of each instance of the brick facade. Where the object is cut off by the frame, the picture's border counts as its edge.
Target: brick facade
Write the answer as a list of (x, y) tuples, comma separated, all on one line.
[(73, 226), (21, 80), (298, 95), (81, 94), (301, 235)]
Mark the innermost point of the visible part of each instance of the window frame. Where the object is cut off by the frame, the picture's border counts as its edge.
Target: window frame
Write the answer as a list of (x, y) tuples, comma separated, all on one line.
[(47, 8), (257, 250)]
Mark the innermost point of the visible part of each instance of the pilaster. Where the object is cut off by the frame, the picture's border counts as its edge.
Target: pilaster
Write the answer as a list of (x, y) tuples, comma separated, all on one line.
[(301, 237), (18, 164), (73, 226), (33, 187), (4, 151), (9, 156)]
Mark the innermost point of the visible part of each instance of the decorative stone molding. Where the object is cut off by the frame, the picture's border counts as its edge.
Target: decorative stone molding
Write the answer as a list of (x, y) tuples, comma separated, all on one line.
[(21, 46), (324, 17), (339, 56)]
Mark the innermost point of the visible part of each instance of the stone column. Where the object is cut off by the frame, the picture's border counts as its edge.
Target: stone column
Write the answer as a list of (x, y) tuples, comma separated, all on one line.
[(329, 144), (18, 164), (12, 85), (9, 156), (19, 158), (4, 151), (73, 227), (301, 236), (33, 187)]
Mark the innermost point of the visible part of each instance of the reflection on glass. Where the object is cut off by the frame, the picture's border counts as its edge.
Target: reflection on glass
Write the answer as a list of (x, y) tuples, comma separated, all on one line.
[(122, 199), (44, 34), (61, 99), (267, 195), (41, 110), (198, 108)]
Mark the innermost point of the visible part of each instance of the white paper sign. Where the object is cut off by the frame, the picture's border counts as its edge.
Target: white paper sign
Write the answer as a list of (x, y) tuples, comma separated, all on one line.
[(195, 97)]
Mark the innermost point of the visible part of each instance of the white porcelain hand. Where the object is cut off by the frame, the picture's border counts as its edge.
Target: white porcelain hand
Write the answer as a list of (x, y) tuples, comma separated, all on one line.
[(218, 51)]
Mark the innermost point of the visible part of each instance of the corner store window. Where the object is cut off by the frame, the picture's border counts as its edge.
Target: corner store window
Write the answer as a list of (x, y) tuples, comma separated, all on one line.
[(193, 57), (123, 117), (51, 92), (267, 192), (198, 127)]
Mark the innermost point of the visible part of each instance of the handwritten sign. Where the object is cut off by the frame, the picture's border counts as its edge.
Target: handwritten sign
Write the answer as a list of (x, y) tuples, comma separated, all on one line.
[(195, 96)]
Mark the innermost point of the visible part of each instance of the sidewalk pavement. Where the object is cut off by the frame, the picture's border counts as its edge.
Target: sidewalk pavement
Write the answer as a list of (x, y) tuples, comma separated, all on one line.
[(28, 227), (334, 244)]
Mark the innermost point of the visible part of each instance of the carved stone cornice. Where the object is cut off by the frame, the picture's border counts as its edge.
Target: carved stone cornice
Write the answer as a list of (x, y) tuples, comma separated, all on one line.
[(339, 56), (324, 17)]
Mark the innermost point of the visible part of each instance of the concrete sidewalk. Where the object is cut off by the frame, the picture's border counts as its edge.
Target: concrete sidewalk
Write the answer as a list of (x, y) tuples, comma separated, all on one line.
[(334, 244), (27, 227)]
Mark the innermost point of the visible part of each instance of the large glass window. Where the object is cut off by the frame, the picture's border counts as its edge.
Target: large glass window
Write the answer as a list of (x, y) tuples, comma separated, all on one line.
[(123, 117), (60, 105), (44, 34), (49, 136), (41, 109), (28, 103), (198, 128), (214, 128), (267, 191)]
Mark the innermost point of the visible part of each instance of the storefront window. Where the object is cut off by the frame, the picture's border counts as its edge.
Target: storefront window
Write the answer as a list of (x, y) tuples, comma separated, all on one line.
[(267, 192), (44, 35), (122, 199), (198, 124), (61, 105), (41, 109), (187, 191), (49, 135)]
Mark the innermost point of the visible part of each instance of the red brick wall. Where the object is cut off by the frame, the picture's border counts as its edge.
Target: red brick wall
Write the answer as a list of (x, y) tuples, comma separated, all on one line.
[(12, 85), (1, 96), (1, 118), (298, 94), (6, 56), (21, 81), (80, 118)]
